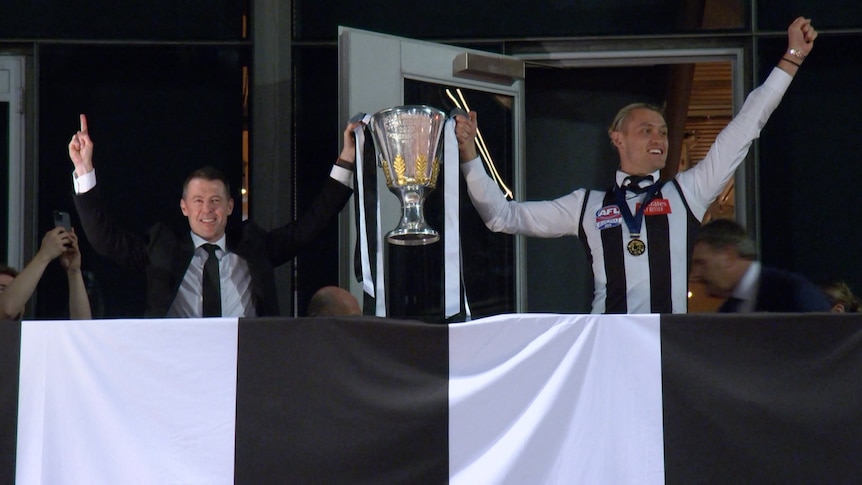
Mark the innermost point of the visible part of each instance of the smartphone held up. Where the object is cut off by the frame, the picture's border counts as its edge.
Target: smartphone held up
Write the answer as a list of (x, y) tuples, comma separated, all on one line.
[(62, 219)]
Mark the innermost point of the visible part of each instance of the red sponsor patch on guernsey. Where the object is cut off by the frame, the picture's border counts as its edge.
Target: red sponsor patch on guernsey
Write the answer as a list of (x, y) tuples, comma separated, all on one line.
[(656, 207)]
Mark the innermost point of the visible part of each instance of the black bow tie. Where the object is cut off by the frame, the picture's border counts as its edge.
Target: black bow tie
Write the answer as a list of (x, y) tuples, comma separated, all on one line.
[(635, 183)]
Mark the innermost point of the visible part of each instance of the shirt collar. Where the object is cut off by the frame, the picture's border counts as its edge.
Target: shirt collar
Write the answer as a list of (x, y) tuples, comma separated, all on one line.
[(199, 241), (621, 176), (746, 289)]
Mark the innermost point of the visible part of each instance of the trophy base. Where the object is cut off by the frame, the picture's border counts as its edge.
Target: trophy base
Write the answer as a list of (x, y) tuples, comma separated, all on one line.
[(404, 237)]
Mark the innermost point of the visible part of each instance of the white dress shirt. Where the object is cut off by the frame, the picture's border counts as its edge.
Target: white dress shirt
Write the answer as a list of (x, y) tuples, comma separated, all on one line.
[(746, 289), (234, 278)]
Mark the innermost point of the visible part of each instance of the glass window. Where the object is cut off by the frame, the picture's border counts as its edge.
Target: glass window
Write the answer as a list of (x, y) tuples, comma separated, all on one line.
[(4, 180), (488, 257), (315, 114), (12, 163), (779, 14), (155, 114), (809, 166), (127, 19)]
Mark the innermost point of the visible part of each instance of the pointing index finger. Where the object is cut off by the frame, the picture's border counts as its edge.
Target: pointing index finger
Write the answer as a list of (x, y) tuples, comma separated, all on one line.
[(84, 123)]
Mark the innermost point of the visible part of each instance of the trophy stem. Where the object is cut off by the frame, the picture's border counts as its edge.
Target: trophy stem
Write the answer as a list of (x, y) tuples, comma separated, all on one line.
[(412, 230)]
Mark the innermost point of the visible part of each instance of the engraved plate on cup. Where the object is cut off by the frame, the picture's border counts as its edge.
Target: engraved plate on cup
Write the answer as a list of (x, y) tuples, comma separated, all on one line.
[(408, 140)]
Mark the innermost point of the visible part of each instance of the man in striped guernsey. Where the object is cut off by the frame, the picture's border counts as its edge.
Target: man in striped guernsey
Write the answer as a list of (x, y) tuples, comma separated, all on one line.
[(639, 233)]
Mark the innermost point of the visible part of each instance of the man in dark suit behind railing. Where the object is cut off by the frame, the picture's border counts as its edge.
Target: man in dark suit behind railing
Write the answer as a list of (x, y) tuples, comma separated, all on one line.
[(724, 259), (240, 280)]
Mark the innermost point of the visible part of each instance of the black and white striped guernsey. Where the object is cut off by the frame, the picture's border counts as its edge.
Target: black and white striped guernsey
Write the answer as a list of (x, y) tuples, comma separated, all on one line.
[(655, 281), (649, 282)]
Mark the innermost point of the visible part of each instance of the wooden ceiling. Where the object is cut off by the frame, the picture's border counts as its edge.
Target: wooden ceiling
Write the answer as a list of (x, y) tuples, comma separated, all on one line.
[(710, 108)]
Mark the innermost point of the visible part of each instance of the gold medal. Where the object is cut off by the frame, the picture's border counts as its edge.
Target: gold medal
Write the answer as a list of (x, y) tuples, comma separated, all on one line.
[(636, 247)]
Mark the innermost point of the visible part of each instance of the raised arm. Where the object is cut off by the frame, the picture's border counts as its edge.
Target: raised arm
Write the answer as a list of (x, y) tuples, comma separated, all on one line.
[(705, 180), (348, 144), (548, 218), (283, 243), (19, 291), (465, 132), (800, 42), (79, 301), (104, 234), (81, 149)]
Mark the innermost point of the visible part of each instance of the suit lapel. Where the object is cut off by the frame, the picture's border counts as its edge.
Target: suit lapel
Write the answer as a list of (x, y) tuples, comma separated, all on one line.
[(185, 252)]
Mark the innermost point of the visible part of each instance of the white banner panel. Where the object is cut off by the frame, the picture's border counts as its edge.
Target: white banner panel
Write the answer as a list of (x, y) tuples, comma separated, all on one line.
[(556, 399), (127, 401)]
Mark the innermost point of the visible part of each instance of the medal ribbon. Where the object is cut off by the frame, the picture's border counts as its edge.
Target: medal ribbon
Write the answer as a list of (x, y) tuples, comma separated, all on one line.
[(634, 221)]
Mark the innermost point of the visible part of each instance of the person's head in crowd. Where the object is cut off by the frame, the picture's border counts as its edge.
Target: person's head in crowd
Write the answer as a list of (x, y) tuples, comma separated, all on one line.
[(841, 297), (207, 203), (332, 301), (721, 256), (7, 274)]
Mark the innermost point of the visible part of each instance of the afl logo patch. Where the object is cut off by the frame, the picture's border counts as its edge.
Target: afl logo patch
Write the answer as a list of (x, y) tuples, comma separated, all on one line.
[(608, 216)]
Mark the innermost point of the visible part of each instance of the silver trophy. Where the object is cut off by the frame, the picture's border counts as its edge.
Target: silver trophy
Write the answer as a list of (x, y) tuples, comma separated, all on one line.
[(408, 140)]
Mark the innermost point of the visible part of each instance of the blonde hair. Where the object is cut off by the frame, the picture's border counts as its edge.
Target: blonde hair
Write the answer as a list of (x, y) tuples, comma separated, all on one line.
[(625, 111), (839, 293)]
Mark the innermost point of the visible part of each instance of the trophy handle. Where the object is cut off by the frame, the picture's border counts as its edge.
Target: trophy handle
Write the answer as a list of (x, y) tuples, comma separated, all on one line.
[(458, 111)]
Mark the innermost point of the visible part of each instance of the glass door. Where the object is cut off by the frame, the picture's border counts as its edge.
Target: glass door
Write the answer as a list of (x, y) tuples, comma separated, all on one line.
[(549, 137), (12, 159), (379, 71)]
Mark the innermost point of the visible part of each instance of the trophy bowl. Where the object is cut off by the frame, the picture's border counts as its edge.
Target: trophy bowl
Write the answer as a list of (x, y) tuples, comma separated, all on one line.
[(408, 141)]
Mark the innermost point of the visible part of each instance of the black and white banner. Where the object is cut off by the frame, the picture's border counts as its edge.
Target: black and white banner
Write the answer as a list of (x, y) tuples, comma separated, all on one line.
[(523, 398)]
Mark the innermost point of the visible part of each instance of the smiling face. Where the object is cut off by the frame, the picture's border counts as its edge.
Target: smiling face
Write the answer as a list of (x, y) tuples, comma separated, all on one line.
[(207, 205), (642, 142)]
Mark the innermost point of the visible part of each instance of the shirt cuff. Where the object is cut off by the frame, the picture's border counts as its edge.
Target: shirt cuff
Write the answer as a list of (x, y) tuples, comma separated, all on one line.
[(84, 183), (342, 175)]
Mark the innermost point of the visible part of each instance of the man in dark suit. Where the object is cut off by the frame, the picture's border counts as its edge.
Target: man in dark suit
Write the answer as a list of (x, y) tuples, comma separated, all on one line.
[(724, 259), (209, 270)]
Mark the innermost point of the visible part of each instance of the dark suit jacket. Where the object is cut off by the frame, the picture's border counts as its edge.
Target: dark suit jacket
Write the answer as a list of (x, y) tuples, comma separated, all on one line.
[(783, 291), (164, 253)]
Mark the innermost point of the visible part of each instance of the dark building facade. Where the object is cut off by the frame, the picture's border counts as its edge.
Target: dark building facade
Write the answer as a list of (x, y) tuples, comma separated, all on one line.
[(251, 86)]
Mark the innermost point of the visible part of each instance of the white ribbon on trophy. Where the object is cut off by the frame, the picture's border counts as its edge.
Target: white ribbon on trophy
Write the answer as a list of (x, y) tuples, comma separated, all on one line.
[(452, 267), (368, 284)]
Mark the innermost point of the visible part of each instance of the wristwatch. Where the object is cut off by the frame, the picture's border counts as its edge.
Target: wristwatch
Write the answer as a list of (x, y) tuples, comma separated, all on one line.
[(796, 53)]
